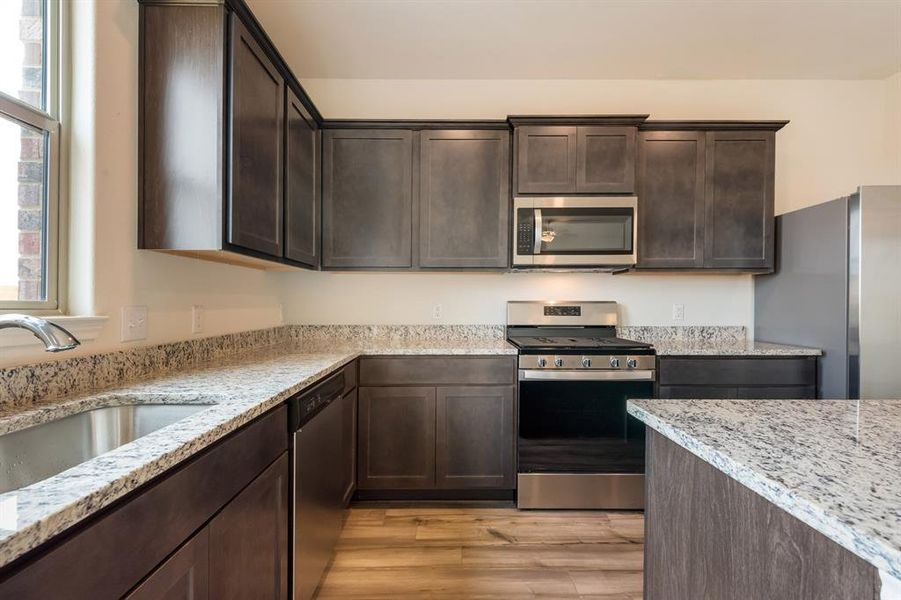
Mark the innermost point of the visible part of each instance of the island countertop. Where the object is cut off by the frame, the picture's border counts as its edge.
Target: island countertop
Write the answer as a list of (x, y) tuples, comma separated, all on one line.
[(833, 464)]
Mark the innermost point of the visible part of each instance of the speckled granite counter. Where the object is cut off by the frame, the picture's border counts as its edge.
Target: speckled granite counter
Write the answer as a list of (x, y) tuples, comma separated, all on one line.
[(239, 388), (729, 348), (833, 464)]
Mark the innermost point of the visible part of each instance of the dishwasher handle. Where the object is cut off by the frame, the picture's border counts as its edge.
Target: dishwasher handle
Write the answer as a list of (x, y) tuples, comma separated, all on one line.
[(306, 405)]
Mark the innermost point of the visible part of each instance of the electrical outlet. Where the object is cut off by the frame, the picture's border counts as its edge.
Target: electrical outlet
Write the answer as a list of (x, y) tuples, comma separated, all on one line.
[(134, 323), (678, 312), (196, 319), (436, 312)]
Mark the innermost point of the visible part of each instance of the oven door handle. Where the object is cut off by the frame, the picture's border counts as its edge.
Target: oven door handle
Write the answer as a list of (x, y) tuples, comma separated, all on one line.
[(539, 226), (547, 375)]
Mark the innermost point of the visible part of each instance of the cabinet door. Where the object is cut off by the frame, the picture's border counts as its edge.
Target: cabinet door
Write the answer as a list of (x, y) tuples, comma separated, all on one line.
[(249, 539), (605, 162), (546, 159), (671, 167), (184, 576), (464, 198), (739, 221), (349, 443), (255, 203), (474, 437), (367, 198), (396, 438), (301, 184)]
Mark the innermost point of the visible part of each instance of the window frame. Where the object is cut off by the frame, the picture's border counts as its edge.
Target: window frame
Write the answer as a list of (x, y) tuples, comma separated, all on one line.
[(47, 121)]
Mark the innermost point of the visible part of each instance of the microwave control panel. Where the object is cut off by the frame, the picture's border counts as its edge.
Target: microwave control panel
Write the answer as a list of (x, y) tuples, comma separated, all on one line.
[(525, 231)]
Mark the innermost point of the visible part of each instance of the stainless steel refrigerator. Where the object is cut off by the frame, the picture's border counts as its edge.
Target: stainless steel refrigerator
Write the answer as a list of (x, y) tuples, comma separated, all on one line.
[(837, 286)]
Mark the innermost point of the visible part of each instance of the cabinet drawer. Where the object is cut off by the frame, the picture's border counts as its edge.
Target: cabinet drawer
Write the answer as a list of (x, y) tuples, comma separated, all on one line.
[(789, 392), (737, 372), (438, 370)]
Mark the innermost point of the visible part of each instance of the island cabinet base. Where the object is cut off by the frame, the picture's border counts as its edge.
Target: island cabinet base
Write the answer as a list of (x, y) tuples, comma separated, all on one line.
[(709, 537)]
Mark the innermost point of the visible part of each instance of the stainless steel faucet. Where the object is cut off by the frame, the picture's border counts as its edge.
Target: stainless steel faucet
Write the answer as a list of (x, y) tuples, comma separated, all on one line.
[(54, 337)]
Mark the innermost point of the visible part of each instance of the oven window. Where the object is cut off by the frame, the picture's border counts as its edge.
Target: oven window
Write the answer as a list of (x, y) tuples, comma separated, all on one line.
[(586, 230), (580, 426)]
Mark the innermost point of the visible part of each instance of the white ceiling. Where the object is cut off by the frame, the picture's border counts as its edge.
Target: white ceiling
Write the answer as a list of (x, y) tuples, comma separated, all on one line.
[(586, 39)]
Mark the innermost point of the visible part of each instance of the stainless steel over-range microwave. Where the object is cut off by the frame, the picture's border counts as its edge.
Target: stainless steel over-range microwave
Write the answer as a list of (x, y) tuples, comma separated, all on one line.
[(599, 231)]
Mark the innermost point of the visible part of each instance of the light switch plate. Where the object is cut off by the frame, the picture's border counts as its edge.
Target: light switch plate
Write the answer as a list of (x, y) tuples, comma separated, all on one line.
[(134, 323), (678, 312), (436, 312)]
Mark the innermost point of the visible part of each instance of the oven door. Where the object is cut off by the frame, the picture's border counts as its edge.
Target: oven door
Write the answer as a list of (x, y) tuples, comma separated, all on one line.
[(577, 446), (560, 232)]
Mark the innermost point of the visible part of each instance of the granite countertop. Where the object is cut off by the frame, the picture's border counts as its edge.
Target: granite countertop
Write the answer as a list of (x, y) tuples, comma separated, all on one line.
[(729, 348), (238, 389), (833, 464)]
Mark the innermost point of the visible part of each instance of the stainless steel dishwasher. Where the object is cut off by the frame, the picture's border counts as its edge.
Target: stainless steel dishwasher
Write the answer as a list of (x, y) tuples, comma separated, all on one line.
[(318, 496)]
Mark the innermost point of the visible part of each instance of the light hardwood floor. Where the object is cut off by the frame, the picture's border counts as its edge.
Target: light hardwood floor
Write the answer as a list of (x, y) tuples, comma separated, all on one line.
[(486, 554)]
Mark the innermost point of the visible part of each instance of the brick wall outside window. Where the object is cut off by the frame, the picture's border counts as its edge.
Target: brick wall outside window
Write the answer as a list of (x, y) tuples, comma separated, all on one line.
[(31, 158)]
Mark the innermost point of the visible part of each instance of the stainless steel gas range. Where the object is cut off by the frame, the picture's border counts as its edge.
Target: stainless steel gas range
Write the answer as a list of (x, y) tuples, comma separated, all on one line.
[(577, 446)]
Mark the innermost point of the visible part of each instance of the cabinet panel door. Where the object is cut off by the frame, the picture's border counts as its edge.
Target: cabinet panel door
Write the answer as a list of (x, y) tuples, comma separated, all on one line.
[(184, 576), (605, 161), (739, 230), (249, 539), (474, 437), (546, 159), (349, 443), (396, 438), (671, 166), (301, 184), (464, 198), (367, 198), (255, 202)]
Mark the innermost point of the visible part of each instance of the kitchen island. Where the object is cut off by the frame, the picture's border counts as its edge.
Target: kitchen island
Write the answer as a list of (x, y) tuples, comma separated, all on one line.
[(772, 498)]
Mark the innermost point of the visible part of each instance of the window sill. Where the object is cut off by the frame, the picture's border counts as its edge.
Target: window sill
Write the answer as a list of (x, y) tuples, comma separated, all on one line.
[(85, 329)]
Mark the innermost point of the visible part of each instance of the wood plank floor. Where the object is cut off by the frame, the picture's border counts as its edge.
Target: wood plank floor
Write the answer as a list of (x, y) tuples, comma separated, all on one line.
[(486, 554)]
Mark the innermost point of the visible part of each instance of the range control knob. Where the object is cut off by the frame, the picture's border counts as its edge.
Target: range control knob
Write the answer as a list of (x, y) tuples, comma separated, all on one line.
[(542, 363), (632, 363), (586, 362), (558, 362), (614, 363)]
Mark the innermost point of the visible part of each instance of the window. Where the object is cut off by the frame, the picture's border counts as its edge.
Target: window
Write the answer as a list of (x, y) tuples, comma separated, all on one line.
[(29, 155)]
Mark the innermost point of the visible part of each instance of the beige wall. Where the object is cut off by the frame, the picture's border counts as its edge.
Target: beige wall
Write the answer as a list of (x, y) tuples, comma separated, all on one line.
[(107, 271), (836, 140)]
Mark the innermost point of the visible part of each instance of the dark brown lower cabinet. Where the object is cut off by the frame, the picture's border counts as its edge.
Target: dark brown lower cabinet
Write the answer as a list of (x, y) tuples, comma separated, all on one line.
[(396, 438), (249, 540), (474, 441), (761, 377), (708, 536), (439, 426), (148, 544), (185, 576)]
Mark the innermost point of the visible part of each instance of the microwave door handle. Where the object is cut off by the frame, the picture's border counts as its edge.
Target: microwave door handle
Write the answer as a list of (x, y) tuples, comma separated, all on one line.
[(538, 230)]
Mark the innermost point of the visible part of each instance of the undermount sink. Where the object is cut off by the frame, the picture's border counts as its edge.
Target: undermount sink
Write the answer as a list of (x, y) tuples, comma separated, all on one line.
[(36, 453)]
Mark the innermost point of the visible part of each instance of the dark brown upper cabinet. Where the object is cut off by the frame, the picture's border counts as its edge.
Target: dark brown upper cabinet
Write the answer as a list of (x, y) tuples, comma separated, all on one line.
[(575, 155), (367, 198), (301, 183), (464, 183), (740, 222), (255, 199), (213, 129), (705, 195), (415, 195), (671, 166), (546, 159)]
